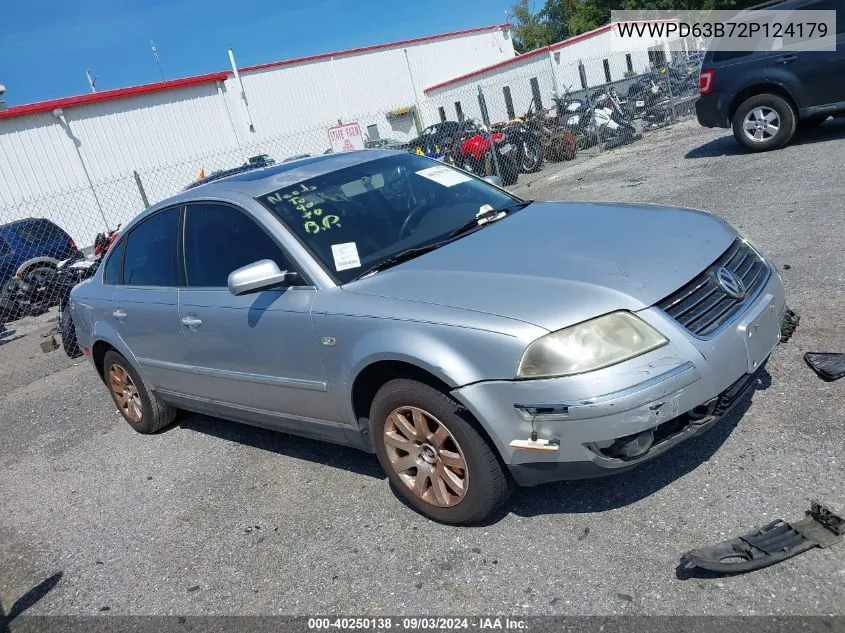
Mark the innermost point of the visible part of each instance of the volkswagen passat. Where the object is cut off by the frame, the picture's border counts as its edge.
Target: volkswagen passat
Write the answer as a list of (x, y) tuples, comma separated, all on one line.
[(469, 338)]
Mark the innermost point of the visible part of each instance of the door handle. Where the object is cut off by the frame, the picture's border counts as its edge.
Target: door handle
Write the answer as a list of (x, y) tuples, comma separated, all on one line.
[(119, 314), (786, 59), (191, 322)]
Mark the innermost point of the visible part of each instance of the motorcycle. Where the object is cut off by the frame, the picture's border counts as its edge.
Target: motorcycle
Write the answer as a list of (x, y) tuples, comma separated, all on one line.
[(520, 132), (555, 141), (613, 128), (474, 151), (647, 101)]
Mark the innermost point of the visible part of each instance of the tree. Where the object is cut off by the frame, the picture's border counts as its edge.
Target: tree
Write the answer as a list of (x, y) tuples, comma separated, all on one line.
[(530, 29)]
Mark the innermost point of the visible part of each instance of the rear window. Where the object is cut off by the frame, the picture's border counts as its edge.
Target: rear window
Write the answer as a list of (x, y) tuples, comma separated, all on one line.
[(34, 233)]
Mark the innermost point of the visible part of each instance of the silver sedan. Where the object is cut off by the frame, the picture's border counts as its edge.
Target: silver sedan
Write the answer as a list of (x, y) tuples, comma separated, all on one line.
[(470, 339)]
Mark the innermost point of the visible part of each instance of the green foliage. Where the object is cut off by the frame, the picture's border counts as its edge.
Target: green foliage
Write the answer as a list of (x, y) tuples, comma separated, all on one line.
[(560, 19)]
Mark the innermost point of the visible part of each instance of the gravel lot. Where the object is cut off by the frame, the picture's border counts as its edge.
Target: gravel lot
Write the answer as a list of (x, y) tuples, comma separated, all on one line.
[(210, 517)]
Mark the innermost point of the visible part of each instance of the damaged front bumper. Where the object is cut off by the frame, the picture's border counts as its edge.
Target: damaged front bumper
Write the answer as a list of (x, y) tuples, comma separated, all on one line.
[(546, 430)]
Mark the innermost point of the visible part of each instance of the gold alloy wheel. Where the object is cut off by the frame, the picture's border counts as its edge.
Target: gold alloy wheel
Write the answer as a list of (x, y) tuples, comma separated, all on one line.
[(426, 456), (125, 394)]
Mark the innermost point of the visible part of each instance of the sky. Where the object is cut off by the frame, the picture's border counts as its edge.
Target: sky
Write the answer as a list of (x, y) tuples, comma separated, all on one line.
[(47, 45)]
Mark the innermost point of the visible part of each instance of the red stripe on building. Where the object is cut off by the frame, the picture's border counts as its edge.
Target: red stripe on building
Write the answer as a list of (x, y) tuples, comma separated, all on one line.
[(108, 95), (521, 58)]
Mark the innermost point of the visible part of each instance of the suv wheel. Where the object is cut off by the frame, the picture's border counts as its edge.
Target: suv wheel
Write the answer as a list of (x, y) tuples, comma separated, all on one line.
[(435, 459), (136, 402), (764, 122)]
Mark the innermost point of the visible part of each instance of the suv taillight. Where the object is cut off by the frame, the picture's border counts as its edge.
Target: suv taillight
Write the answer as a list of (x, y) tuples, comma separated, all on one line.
[(705, 81), (72, 245)]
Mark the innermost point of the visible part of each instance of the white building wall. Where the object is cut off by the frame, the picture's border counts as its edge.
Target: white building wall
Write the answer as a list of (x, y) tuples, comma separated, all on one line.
[(167, 136)]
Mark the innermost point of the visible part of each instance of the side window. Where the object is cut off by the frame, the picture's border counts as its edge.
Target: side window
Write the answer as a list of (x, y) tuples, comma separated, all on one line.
[(151, 258), (111, 273), (4, 247), (220, 239)]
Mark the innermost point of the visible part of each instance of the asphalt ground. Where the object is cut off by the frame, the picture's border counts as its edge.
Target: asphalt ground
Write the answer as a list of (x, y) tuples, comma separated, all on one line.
[(210, 517)]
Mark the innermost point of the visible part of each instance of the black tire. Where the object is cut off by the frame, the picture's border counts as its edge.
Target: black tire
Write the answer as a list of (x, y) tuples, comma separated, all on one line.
[(155, 414), (812, 122), (787, 122), (487, 484), (531, 155), (68, 333)]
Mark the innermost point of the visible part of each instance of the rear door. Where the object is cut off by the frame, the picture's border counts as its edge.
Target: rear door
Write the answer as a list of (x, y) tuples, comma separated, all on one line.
[(144, 308), (254, 352)]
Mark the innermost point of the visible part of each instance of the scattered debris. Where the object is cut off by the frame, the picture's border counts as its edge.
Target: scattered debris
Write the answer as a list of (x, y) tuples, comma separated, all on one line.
[(786, 266), (105, 608), (584, 534), (476, 550), (767, 545), (48, 344), (828, 365), (194, 588), (627, 597)]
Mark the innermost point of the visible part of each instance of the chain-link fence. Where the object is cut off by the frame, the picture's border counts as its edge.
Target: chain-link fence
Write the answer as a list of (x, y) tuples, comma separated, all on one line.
[(508, 124)]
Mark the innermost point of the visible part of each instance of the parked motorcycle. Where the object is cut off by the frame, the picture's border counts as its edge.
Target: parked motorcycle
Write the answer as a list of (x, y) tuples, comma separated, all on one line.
[(554, 141), (520, 132), (613, 128), (475, 147), (648, 101)]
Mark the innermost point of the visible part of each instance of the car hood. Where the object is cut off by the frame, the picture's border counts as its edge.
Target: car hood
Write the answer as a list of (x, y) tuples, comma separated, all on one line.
[(556, 264)]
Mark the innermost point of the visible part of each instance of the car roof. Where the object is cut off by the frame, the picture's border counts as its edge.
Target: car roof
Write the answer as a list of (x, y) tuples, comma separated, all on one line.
[(23, 222)]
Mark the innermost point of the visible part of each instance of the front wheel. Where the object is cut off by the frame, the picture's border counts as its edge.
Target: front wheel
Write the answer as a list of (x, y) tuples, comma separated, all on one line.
[(764, 122), (435, 458)]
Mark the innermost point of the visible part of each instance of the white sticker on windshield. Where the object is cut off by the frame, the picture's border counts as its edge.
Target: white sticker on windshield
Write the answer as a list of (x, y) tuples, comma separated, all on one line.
[(445, 176), (345, 256)]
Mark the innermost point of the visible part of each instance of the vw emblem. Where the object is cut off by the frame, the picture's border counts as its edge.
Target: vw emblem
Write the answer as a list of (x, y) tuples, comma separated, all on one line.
[(730, 284)]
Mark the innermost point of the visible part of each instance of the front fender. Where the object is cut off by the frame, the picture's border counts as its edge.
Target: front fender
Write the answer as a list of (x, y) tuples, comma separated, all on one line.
[(455, 355)]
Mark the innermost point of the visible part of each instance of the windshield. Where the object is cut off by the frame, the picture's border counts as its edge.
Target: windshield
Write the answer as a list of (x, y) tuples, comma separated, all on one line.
[(353, 219)]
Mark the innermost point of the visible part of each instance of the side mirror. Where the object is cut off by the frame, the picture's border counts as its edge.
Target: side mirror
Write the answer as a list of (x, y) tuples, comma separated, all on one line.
[(494, 180), (261, 275)]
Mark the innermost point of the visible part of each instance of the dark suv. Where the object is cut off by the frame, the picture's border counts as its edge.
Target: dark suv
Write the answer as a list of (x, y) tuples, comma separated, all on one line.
[(765, 96), (29, 244)]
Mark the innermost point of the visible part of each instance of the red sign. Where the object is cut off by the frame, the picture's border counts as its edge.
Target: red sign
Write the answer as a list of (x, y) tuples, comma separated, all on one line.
[(346, 137)]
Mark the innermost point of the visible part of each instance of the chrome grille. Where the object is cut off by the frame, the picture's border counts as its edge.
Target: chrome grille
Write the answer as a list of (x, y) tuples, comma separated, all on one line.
[(702, 306)]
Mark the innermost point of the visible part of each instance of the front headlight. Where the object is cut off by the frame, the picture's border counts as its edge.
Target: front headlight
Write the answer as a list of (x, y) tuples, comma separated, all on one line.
[(591, 345)]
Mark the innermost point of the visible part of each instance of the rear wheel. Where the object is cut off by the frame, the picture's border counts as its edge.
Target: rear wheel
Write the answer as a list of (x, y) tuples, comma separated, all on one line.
[(137, 403), (434, 457), (764, 122)]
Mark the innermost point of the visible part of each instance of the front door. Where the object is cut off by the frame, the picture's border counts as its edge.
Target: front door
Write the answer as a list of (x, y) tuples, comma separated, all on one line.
[(255, 352)]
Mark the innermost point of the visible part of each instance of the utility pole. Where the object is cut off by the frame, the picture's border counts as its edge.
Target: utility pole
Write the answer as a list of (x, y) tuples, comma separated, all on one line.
[(158, 61), (92, 80)]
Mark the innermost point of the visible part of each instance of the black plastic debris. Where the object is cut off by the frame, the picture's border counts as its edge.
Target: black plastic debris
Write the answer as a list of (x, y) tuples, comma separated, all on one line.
[(788, 325), (767, 545), (829, 366)]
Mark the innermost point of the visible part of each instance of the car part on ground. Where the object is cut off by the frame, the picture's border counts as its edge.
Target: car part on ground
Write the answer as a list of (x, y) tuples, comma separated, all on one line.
[(767, 545), (829, 366)]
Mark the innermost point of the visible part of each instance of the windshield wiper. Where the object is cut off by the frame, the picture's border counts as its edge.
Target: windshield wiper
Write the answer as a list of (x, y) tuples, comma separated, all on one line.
[(491, 215), (401, 256)]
